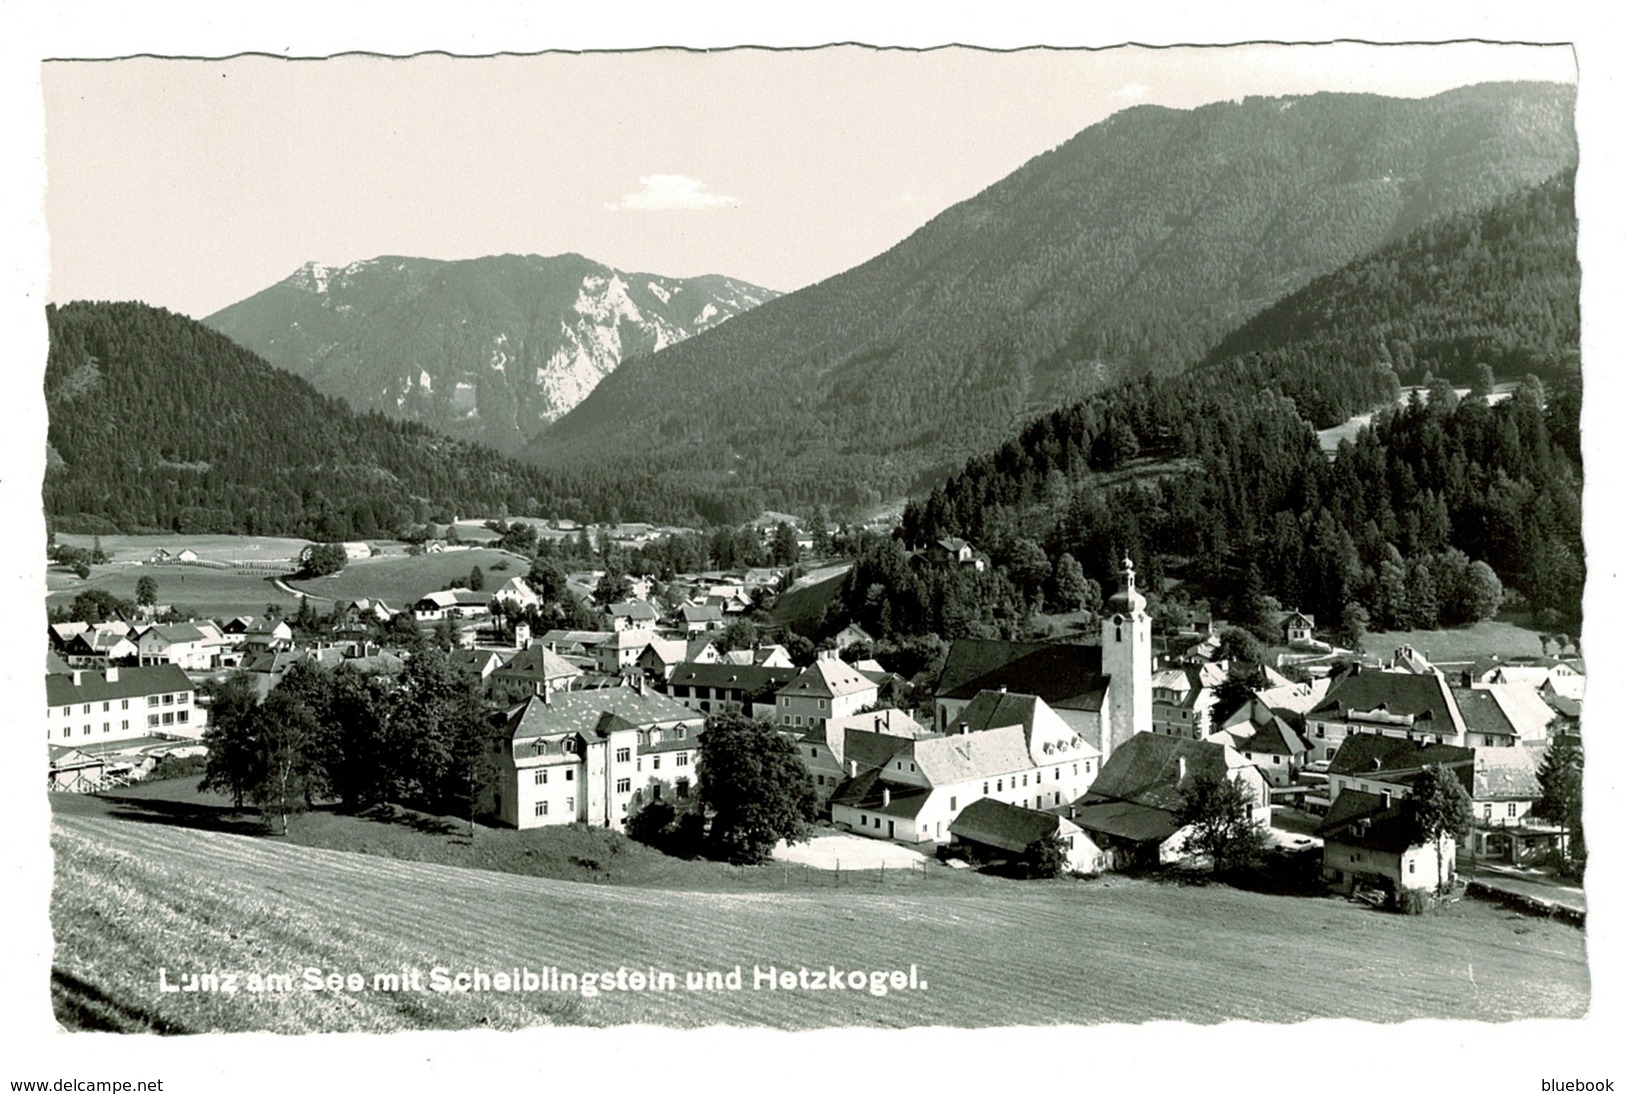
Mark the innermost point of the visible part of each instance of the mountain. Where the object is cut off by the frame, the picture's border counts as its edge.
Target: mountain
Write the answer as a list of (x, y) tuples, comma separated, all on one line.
[(487, 349), (1132, 249), (157, 422)]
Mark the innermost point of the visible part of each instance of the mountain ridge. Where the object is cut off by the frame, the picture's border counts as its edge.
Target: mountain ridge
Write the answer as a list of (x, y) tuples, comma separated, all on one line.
[(488, 349)]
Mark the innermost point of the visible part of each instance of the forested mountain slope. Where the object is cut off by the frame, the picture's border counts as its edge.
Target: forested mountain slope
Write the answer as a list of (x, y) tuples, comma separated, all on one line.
[(1133, 249)]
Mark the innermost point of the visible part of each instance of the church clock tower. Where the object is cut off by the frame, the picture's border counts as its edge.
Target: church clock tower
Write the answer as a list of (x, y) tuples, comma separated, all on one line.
[(1125, 656)]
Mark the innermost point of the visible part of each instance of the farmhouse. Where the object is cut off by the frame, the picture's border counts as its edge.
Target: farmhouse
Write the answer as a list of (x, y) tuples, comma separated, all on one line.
[(1373, 839), (995, 829), (120, 704), (451, 604), (1131, 810)]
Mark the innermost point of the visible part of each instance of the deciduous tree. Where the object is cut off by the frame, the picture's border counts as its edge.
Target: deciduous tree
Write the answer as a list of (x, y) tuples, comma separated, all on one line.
[(1219, 813), (755, 788), (1440, 806)]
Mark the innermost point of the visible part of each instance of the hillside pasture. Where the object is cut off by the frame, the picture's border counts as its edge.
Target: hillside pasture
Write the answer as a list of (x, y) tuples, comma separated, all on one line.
[(131, 898), (399, 580), (214, 548), (1454, 644), (802, 604), (194, 591)]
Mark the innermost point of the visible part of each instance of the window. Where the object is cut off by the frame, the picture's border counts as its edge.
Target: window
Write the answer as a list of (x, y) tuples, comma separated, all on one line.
[(1001, 784), (682, 759), (541, 778), (623, 755), (86, 710), (623, 786), (184, 697), (815, 754), (124, 704), (569, 774), (1024, 780), (570, 805), (106, 707), (152, 719), (1487, 808), (1413, 866), (953, 803), (67, 731), (820, 704), (682, 788), (67, 712), (655, 762), (1512, 809), (124, 724), (169, 718), (106, 726), (680, 732), (169, 698), (984, 788), (541, 809), (182, 715), (820, 780)]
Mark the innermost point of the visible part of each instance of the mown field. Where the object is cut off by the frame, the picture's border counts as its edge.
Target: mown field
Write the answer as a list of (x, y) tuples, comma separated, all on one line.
[(217, 548), (1492, 636), (399, 580), (131, 898), (193, 590)]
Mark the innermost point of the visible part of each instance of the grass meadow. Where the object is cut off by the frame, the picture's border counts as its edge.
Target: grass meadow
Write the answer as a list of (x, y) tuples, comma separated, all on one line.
[(193, 590), (399, 580), (134, 895)]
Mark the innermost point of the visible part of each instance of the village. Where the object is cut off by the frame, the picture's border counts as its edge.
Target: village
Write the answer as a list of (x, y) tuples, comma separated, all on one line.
[(1093, 743)]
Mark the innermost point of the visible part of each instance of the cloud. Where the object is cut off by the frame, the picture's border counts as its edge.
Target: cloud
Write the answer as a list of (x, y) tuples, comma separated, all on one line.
[(673, 192), (1130, 91)]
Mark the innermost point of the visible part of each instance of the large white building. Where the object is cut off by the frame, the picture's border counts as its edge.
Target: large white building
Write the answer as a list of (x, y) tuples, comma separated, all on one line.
[(90, 707)]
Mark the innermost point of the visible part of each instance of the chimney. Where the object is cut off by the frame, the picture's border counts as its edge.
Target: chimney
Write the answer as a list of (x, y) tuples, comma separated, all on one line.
[(78, 677), (1181, 769), (852, 769), (1004, 689), (885, 797), (112, 674), (1387, 799), (964, 727)]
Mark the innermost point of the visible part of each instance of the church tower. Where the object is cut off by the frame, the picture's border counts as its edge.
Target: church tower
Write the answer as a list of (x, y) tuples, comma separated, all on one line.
[(1125, 656)]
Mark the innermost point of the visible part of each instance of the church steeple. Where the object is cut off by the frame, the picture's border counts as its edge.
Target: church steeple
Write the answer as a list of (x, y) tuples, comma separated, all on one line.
[(1125, 656)]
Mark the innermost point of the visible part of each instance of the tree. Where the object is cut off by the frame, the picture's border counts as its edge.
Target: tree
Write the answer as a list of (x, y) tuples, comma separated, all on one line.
[(785, 550), (1440, 806), (476, 579), (1237, 644), (1071, 586), (755, 787), (146, 591), (1219, 813), (1562, 775), (233, 765), (284, 739), (1045, 857), (321, 559), (740, 634)]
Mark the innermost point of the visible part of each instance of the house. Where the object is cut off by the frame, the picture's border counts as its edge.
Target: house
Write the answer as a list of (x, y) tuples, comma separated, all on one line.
[(725, 688), (618, 653), (1560, 676), (1298, 629), (479, 664), (120, 704), (535, 670), (633, 615), (661, 657), (1399, 704), (954, 551), (1132, 809), (1406, 659), (580, 648), (851, 635), (995, 829), (355, 549), (1373, 840), (828, 688), (100, 646), (263, 635), (363, 611), (182, 644), (1103, 692), (186, 554), (825, 750), (587, 756), (1265, 741), (698, 618), (515, 595), (1374, 762), (1503, 715), (451, 604), (1182, 700)]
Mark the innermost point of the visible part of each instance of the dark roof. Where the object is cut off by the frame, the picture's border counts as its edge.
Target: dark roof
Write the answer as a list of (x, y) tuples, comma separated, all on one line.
[(93, 686), (1125, 820), (1144, 769), (581, 711), (1002, 825), (992, 709), (1393, 759), (871, 750), (1359, 819), (868, 792), (1422, 696), (748, 678), (1482, 714), (1064, 675)]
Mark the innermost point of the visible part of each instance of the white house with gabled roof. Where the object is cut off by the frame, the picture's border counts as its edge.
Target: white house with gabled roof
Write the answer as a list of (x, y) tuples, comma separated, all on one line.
[(827, 688)]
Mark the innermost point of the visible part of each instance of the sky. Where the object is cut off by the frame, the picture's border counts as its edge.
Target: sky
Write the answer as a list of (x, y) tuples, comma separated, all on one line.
[(193, 184)]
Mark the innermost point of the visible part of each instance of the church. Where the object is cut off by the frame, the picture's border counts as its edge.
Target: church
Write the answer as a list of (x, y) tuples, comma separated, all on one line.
[(1102, 692)]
